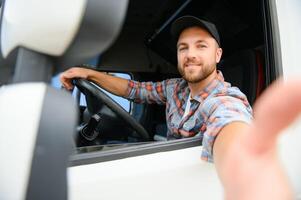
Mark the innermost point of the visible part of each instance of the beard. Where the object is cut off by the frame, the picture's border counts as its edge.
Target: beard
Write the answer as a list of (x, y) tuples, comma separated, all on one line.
[(196, 75)]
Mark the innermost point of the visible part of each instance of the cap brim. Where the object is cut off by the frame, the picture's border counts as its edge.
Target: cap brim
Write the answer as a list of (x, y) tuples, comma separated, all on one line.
[(189, 21)]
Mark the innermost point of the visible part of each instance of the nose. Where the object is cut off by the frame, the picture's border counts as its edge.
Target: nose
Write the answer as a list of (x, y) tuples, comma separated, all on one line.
[(191, 54)]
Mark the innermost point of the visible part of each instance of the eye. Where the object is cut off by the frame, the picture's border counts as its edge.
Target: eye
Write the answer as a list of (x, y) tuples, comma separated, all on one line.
[(182, 48), (201, 46)]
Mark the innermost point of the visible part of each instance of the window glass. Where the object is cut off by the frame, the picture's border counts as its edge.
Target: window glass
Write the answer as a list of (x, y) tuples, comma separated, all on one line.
[(55, 82), (120, 100)]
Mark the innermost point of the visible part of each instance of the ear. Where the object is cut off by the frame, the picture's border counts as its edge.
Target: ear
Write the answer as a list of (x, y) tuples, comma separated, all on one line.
[(219, 52)]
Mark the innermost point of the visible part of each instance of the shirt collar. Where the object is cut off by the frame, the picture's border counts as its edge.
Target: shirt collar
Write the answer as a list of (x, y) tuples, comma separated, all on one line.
[(219, 79)]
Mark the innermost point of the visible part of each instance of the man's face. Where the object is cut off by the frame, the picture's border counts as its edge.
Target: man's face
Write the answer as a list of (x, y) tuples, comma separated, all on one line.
[(198, 53)]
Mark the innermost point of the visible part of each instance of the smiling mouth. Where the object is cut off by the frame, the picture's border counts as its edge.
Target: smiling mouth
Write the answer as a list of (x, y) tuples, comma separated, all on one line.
[(191, 65)]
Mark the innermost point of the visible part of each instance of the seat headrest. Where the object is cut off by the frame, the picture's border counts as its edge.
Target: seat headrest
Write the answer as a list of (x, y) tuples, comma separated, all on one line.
[(69, 31), (241, 70)]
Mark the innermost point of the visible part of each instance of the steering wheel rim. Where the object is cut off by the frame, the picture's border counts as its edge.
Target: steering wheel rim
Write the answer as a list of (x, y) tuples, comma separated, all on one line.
[(85, 85)]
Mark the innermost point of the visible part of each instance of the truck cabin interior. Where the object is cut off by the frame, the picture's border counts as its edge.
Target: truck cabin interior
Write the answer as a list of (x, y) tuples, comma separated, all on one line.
[(146, 51)]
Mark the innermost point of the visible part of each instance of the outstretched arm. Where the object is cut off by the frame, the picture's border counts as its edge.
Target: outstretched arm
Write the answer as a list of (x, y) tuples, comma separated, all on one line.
[(246, 155), (115, 85)]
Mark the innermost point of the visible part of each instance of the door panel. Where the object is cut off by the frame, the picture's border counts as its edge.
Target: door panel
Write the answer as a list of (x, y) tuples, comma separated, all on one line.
[(179, 174)]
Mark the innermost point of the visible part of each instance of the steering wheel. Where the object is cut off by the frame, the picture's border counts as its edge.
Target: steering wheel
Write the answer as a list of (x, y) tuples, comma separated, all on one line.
[(87, 87)]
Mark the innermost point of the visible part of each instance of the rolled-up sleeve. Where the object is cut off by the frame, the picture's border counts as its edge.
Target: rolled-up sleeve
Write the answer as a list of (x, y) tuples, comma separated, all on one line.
[(223, 111), (147, 92)]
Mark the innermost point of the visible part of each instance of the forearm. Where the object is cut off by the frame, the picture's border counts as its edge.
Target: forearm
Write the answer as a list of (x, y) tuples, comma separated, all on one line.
[(115, 85), (147, 92), (118, 86), (224, 141)]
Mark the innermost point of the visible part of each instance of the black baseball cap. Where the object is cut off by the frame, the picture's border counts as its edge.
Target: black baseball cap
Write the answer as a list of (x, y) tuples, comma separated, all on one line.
[(189, 21)]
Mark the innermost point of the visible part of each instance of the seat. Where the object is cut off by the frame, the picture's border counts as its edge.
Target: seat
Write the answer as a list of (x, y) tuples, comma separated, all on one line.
[(244, 69)]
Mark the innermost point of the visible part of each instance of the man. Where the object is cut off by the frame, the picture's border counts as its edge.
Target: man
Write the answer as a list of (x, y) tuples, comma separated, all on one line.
[(200, 103)]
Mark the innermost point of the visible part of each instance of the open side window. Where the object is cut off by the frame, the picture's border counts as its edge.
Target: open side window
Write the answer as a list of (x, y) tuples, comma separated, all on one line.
[(243, 65)]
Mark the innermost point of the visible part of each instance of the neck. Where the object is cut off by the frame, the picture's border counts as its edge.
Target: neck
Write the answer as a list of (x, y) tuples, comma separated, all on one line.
[(196, 88)]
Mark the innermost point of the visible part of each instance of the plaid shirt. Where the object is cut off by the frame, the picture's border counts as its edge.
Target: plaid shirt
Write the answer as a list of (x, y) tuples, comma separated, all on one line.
[(216, 106)]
